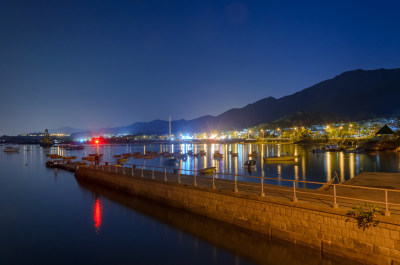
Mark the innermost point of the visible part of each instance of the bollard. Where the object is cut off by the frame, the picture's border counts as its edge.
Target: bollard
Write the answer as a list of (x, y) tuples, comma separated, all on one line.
[(262, 187), (213, 185), (335, 205), (294, 192), (152, 174), (195, 182), (236, 189), (387, 212), (165, 174)]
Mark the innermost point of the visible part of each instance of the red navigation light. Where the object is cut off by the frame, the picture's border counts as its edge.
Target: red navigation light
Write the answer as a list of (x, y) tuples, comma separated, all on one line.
[(96, 141)]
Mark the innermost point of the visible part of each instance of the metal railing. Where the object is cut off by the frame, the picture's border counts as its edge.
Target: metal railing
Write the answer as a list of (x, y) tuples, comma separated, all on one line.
[(135, 170)]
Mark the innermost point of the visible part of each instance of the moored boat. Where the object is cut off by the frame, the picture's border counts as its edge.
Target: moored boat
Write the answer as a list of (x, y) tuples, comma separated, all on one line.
[(10, 149), (207, 170), (280, 158), (250, 164)]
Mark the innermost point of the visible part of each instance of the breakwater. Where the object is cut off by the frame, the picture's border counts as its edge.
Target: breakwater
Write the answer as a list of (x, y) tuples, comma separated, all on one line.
[(305, 223)]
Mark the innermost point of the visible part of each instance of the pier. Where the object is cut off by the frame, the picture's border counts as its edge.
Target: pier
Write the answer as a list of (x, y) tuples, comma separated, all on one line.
[(314, 218), (310, 217)]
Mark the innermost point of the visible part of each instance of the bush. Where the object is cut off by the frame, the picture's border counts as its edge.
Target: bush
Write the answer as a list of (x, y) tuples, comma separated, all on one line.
[(365, 217)]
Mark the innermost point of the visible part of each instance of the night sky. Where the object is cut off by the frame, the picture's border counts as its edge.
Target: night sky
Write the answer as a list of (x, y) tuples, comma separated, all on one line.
[(91, 64)]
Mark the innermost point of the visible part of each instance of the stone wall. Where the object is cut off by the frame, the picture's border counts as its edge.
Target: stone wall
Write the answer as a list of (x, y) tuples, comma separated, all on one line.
[(307, 224)]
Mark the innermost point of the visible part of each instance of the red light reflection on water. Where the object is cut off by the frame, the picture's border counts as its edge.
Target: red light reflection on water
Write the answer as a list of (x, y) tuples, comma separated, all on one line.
[(97, 215)]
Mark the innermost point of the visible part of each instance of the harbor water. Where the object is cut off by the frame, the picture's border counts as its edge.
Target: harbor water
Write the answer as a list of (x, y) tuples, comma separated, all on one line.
[(47, 217)]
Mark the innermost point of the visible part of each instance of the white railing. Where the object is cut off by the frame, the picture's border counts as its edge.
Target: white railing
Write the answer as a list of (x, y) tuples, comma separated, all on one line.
[(135, 170)]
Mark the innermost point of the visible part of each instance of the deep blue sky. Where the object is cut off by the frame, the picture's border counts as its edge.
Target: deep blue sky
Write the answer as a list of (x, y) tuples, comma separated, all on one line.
[(89, 64)]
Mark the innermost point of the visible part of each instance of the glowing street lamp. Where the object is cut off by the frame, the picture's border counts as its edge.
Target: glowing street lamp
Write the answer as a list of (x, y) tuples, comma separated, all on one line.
[(262, 133)]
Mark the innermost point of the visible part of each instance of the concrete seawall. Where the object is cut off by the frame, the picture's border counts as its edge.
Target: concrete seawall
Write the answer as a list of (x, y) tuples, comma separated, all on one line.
[(308, 224)]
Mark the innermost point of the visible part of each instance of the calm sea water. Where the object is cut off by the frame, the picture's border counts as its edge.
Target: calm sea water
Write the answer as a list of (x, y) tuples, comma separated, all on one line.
[(312, 167), (47, 217)]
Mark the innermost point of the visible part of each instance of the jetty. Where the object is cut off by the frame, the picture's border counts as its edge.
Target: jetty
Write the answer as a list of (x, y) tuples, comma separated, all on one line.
[(310, 217)]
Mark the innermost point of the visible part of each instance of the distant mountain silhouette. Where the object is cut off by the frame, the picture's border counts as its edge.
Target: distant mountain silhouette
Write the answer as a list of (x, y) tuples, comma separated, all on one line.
[(352, 95)]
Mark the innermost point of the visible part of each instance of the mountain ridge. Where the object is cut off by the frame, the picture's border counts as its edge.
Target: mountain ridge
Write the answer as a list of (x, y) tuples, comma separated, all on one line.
[(351, 95)]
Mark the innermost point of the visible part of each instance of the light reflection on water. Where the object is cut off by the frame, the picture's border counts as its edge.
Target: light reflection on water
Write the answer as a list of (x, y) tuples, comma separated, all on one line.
[(312, 167), (47, 217)]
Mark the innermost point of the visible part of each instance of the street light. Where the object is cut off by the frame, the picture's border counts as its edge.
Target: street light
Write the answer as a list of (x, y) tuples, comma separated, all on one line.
[(262, 132)]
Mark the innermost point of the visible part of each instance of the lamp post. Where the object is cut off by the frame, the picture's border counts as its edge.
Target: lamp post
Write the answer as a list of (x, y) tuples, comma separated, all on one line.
[(262, 133), (279, 130)]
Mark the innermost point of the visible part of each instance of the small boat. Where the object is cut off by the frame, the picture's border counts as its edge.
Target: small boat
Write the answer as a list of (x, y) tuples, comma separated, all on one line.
[(136, 153), (122, 160), (280, 158), (127, 155), (250, 164), (253, 154), (69, 157), (75, 147), (207, 170), (10, 149), (234, 154), (54, 156), (148, 157), (217, 154), (88, 158), (202, 153), (116, 156)]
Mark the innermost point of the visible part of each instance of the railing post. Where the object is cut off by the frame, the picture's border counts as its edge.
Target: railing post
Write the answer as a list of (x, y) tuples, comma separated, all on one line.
[(195, 182), (165, 174), (335, 205), (262, 187), (152, 173), (132, 170), (123, 170), (179, 175), (213, 185), (142, 173), (294, 192), (109, 168), (387, 212), (236, 189), (116, 169)]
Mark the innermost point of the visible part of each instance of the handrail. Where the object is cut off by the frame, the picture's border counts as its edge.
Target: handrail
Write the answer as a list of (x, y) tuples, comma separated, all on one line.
[(242, 183)]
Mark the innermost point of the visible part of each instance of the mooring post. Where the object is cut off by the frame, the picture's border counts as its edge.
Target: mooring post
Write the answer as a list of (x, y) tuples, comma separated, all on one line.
[(335, 205), (387, 212), (262, 187), (165, 174), (294, 192), (195, 182), (213, 184), (152, 174)]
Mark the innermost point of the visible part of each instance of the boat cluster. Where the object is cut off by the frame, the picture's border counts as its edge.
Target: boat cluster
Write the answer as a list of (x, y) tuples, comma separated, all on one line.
[(335, 148)]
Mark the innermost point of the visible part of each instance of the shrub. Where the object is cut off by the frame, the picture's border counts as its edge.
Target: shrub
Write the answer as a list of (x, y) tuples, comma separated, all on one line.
[(365, 217)]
